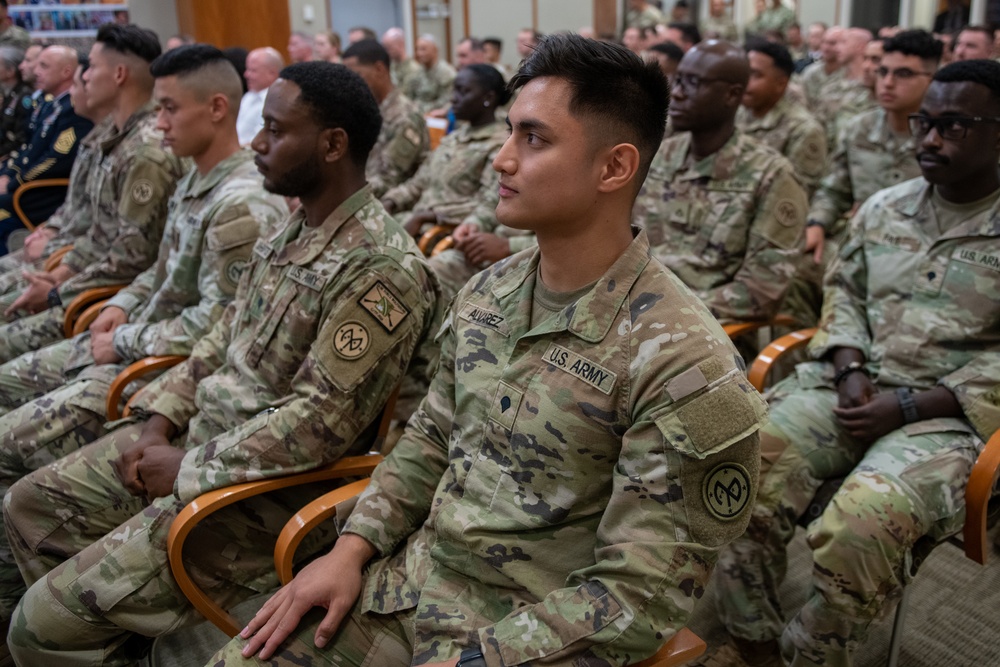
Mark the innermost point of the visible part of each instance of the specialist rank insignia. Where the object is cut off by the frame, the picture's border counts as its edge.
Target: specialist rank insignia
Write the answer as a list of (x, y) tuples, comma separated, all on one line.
[(384, 307)]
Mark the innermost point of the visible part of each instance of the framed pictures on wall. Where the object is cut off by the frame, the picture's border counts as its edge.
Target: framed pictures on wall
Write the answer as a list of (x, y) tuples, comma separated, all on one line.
[(64, 18)]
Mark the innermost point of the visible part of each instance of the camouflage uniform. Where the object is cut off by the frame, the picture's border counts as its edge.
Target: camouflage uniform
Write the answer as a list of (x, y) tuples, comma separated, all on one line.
[(15, 36), (404, 70), (812, 81), (459, 170), (647, 18), (402, 146), (730, 226), (212, 224), (67, 221), (840, 101), (868, 158), (291, 378), (723, 27), (921, 304), (772, 18), (430, 88), (130, 189), (792, 131), (546, 473)]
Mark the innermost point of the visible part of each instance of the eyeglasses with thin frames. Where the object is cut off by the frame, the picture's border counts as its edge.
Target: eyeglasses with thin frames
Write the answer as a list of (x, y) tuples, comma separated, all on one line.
[(952, 128), (900, 73), (690, 83)]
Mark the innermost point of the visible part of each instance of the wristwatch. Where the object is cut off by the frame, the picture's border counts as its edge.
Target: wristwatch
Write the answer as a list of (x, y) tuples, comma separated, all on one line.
[(54, 299), (907, 405), (857, 366), (471, 657)]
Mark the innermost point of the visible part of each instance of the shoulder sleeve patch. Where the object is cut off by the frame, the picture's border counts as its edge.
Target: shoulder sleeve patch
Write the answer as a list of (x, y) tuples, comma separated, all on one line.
[(142, 191), (65, 142), (383, 305)]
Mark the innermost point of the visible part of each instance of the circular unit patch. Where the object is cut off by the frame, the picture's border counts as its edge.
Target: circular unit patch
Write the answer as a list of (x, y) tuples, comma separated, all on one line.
[(351, 340), (142, 192), (727, 491), (233, 270), (786, 212)]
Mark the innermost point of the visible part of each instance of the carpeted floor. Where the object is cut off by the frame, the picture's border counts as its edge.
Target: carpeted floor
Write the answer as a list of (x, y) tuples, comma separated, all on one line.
[(953, 618)]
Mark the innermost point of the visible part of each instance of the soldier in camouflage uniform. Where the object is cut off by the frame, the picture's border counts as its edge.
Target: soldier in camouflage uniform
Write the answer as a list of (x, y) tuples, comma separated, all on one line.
[(403, 143), (769, 116), (326, 316), (844, 95), (213, 222), (719, 25), (642, 15), (430, 87), (900, 399), (776, 17), (723, 211), (554, 499), (402, 66), (874, 152), (11, 34), (130, 189), (446, 187), (66, 224), (817, 75), (49, 153)]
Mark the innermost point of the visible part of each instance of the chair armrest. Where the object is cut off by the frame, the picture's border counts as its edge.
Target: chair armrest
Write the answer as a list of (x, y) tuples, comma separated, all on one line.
[(87, 317), (437, 128), (762, 365), (55, 259), (82, 301), (977, 499), (682, 648), (133, 372), (209, 503), (446, 243), (737, 329), (307, 518), (433, 236), (34, 185)]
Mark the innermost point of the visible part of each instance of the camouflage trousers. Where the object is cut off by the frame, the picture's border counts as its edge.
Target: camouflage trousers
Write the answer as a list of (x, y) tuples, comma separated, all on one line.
[(362, 640), (30, 333), (35, 373), (907, 486), (95, 561), (452, 272)]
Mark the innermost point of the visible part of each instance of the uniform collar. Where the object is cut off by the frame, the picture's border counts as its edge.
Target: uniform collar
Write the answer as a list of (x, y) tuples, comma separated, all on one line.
[(311, 241), (917, 203), (719, 166), (204, 184), (771, 119), (595, 312), (116, 136), (466, 133), (390, 100), (881, 134)]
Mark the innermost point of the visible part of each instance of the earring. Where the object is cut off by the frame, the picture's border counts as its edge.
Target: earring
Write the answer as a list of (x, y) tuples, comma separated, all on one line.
[(486, 103)]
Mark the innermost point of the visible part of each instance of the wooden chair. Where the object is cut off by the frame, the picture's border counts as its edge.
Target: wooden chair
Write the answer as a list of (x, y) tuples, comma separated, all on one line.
[(28, 187), (437, 128), (432, 237), (211, 502), (682, 647), (55, 259), (130, 374), (87, 303), (980, 512)]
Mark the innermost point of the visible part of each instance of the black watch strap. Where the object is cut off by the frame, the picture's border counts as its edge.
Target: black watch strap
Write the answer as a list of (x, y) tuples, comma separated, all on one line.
[(54, 299), (909, 406), (472, 657)]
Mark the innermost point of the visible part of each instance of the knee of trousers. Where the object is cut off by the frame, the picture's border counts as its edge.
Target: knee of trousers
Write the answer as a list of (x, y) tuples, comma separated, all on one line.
[(20, 505), (862, 540), (41, 625)]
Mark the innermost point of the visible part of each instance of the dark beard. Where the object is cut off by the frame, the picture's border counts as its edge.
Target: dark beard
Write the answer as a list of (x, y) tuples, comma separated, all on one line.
[(299, 180)]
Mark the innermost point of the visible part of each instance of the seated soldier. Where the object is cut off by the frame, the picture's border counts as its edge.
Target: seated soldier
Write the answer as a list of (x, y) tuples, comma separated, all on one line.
[(722, 210), (446, 187), (327, 314), (49, 152), (403, 143), (67, 223), (16, 106), (430, 83), (557, 497), (900, 399), (213, 222), (129, 200)]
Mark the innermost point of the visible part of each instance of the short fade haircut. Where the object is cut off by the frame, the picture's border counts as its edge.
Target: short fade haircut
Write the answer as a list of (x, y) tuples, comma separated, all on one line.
[(364, 30), (669, 49), (475, 43), (490, 79), (689, 30), (778, 53), (627, 96), (917, 42), (494, 41), (339, 98), (988, 32), (205, 69), (983, 71), (368, 52), (130, 40)]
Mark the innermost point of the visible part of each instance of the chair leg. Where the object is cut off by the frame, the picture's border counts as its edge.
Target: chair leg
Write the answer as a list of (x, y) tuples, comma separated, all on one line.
[(897, 627)]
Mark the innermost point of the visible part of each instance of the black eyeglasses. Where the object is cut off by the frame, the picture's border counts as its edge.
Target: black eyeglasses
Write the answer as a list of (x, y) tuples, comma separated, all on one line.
[(953, 128), (901, 73), (690, 83)]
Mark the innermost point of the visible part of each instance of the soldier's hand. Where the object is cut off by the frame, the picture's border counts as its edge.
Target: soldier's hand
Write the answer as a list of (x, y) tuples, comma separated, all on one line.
[(35, 244), (158, 468), (815, 240), (102, 347), (855, 390), (157, 431), (332, 582), (35, 299), (484, 249), (869, 422), (4, 182), (462, 233), (418, 220), (109, 319)]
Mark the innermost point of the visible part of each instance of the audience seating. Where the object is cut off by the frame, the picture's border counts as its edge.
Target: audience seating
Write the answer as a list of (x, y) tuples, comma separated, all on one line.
[(56, 258), (85, 308), (432, 237), (130, 374), (980, 512), (34, 185)]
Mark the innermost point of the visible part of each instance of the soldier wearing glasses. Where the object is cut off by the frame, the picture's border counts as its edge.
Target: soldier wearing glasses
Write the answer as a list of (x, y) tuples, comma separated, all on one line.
[(874, 152), (900, 398)]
